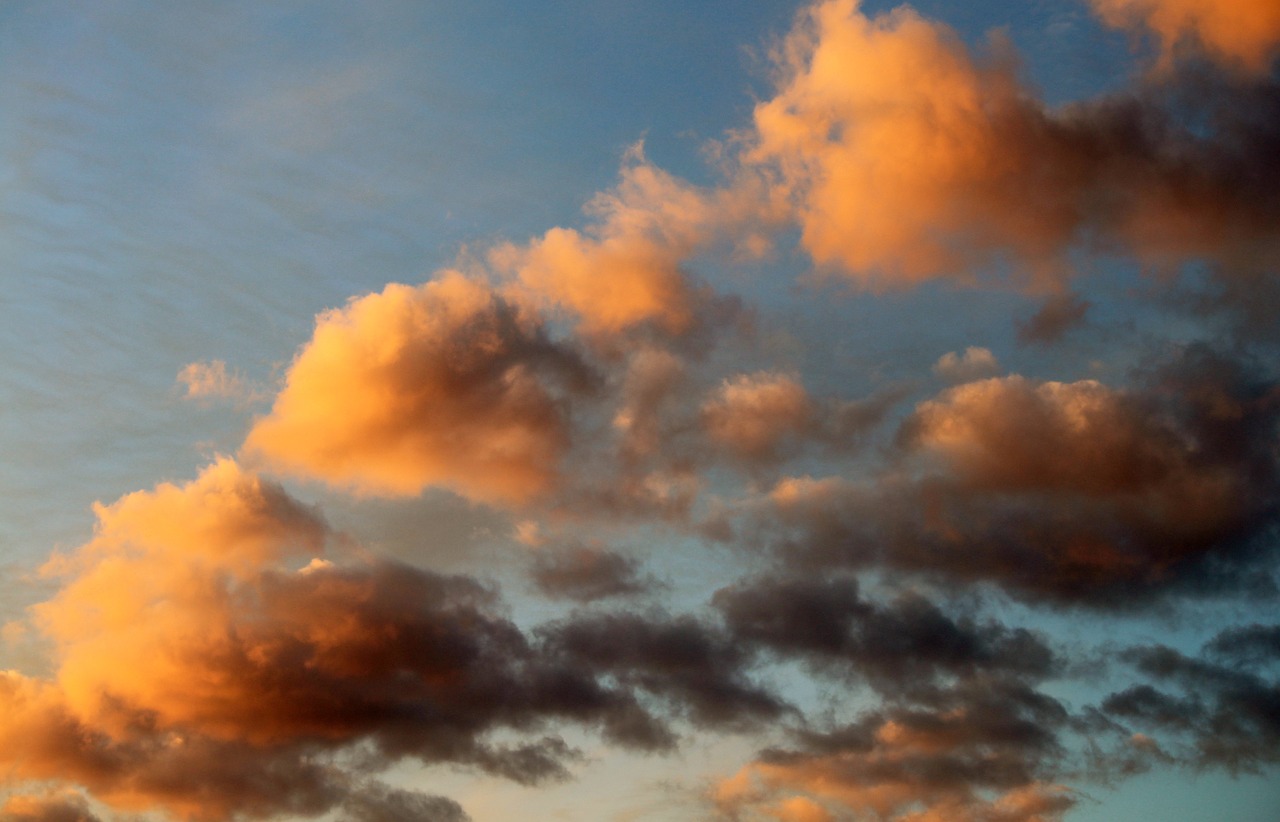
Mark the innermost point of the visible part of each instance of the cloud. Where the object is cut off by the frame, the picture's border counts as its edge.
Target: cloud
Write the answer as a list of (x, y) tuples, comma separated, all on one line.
[(1059, 314), (974, 753), (50, 807), (752, 414), (217, 650), (625, 270), (768, 416), (1218, 709), (904, 157), (1243, 34), (898, 647), (973, 364), (692, 664), (647, 393), (449, 383), (212, 381), (1063, 492), (210, 661), (1011, 433), (380, 803), (587, 573)]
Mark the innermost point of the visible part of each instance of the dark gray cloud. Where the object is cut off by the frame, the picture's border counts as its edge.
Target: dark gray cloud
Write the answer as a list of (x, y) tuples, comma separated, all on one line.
[(1219, 709), (1058, 315), (1073, 493), (376, 802), (587, 573), (899, 646), (697, 667), (986, 749)]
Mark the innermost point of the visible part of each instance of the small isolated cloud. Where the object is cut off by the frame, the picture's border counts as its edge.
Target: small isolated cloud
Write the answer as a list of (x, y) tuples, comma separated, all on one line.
[(587, 573), (975, 363), (213, 381), (1059, 314)]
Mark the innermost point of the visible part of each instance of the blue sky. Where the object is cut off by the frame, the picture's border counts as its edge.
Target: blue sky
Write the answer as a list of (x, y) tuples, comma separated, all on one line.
[(953, 323)]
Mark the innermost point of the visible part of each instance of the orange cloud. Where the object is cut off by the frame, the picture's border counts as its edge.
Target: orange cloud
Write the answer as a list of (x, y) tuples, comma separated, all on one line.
[(973, 364), (50, 807), (212, 380), (752, 414), (448, 383), (1242, 33), (210, 662), (894, 145), (1015, 433), (149, 598), (1069, 492), (904, 157), (625, 269)]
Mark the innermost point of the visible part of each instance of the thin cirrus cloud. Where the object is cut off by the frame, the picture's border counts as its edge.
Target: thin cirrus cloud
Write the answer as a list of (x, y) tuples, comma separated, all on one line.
[(860, 581)]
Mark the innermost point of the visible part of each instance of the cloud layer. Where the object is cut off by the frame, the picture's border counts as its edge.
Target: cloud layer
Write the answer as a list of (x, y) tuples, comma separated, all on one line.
[(781, 522)]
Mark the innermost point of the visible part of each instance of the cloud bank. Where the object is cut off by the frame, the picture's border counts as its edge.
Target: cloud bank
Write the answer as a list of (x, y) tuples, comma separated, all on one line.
[(862, 578)]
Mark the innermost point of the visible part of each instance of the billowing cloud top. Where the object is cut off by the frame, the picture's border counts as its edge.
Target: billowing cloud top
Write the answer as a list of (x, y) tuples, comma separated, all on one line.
[(449, 383)]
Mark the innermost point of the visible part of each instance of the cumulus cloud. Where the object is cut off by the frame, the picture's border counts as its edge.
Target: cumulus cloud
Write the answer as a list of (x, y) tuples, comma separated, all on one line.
[(1244, 34), (905, 157), (767, 416), (625, 270), (211, 662), (1074, 492), (448, 383), (973, 364), (217, 651), (752, 414)]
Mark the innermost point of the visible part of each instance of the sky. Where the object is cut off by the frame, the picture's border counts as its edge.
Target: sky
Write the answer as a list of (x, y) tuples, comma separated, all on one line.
[(663, 412)]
